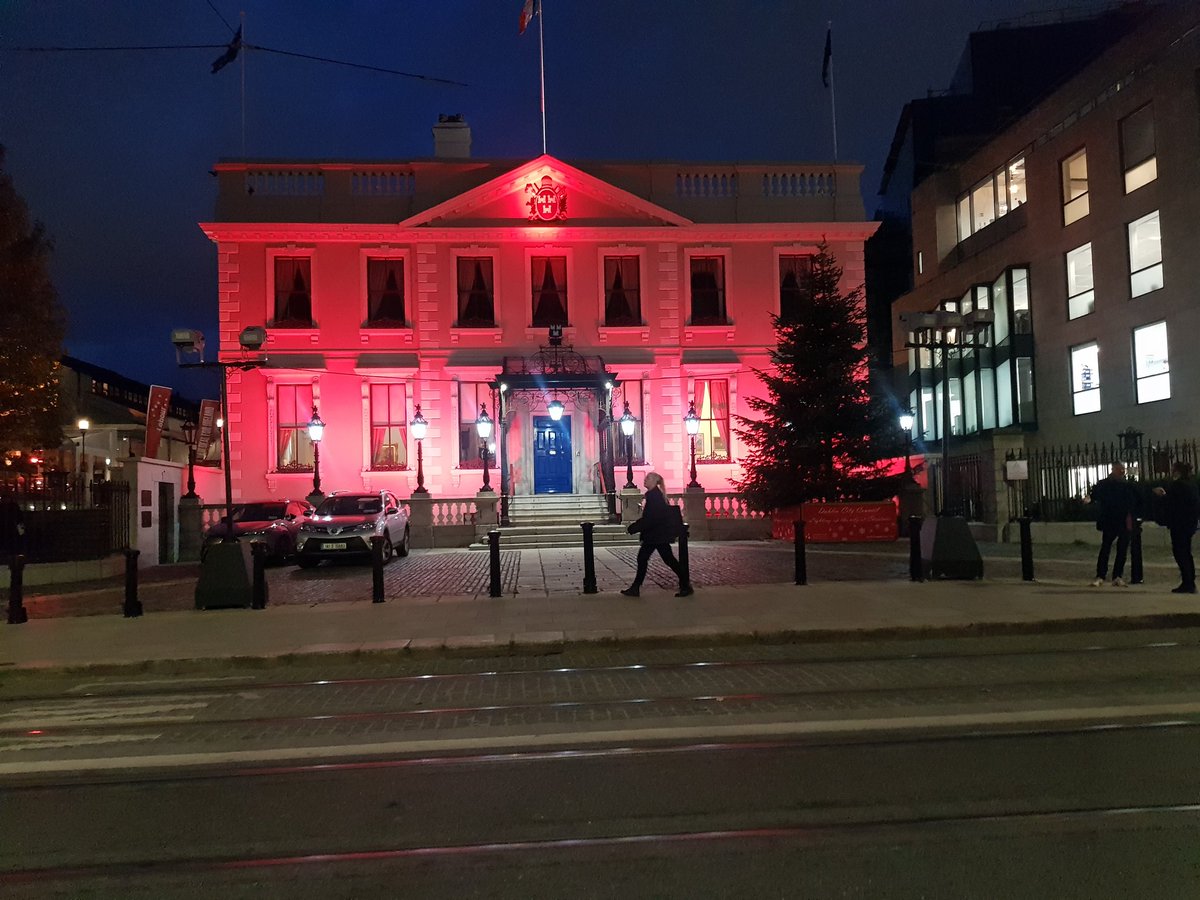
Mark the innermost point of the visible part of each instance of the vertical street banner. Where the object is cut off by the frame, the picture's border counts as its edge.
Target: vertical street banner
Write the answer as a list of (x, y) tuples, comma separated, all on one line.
[(208, 427), (156, 417)]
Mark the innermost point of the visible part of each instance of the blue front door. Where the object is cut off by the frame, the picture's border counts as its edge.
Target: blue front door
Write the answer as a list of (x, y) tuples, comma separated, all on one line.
[(551, 455)]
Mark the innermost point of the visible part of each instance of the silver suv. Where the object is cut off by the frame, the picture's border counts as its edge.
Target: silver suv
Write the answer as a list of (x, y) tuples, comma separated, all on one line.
[(345, 522)]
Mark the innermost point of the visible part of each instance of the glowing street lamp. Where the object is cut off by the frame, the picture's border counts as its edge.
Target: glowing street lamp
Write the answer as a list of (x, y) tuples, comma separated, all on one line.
[(189, 435), (316, 431), (628, 423), (483, 425), (692, 422), (555, 408), (907, 420), (83, 425), (420, 428)]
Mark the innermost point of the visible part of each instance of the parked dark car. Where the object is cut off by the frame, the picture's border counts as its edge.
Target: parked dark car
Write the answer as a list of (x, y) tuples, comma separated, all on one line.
[(275, 523), (345, 522)]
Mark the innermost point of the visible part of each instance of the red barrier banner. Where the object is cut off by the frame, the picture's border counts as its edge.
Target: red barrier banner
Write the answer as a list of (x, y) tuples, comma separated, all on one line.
[(156, 417), (207, 433), (833, 523)]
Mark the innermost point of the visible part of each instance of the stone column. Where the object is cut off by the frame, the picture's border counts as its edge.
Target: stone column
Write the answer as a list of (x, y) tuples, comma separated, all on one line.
[(694, 514), (485, 508), (420, 520), (631, 499), (191, 529)]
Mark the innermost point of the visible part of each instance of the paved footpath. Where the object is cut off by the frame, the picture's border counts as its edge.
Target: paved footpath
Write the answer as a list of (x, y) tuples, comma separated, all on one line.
[(328, 610)]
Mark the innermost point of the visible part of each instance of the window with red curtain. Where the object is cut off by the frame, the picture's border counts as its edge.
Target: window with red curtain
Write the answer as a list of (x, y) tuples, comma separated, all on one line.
[(549, 285), (471, 396), (708, 290), (293, 292), (794, 291), (712, 406), (476, 297), (622, 291), (389, 427), (293, 408), (385, 293)]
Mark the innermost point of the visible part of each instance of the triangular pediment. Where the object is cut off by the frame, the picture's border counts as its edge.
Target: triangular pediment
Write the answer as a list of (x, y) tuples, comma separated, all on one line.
[(549, 183)]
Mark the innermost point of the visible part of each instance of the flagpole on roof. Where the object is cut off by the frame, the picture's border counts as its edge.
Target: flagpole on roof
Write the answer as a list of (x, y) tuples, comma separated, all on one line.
[(832, 89), (243, 33), (542, 64)]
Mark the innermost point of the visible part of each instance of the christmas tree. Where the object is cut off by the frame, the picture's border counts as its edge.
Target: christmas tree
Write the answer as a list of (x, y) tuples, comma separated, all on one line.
[(820, 434)]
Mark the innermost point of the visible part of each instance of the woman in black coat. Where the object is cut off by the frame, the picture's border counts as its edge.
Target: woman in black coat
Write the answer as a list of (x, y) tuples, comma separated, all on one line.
[(1182, 509), (656, 529)]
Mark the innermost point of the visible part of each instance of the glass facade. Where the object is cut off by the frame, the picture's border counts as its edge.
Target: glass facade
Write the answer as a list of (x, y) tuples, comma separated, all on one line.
[(995, 196)]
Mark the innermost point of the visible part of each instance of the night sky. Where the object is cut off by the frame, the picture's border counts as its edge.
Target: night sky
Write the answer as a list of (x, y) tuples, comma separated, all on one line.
[(112, 150)]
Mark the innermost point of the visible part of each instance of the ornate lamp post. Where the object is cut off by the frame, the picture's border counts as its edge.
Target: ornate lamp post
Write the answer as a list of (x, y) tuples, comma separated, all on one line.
[(83, 425), (483, 425), (419, 429), (316, 431), (628, 424), (189, 435), (907, 420), (692, 422)]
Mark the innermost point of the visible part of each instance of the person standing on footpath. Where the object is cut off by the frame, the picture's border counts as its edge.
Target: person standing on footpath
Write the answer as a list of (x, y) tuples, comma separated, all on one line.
[(656, 528), (1117, 503), (1182, 510)]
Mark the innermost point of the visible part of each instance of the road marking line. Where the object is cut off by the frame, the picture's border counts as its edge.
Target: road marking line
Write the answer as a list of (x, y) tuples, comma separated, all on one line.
[(53, 744), (661, 733)]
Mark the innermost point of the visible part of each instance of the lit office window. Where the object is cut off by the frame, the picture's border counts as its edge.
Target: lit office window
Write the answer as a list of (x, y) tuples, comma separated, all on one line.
[(1145, 256), (1151, 363), (1085, 378), (1081, 294), (1075, 187), (1138, 157)]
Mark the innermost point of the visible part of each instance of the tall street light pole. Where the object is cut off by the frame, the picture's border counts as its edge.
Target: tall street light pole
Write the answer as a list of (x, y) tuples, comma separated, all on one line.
[(907, 420), (316, 431), (692, 422), (628, 424), (420, 428), (83, 424)]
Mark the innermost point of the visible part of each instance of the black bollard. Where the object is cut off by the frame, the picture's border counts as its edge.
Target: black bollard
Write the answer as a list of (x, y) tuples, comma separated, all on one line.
[(258, 587), (1026, 549), (377, 568), (1135, 553), (915, 569), (132, 607), (801, 559), (494, 562), (589, 558), (17, 614), (684, 565)]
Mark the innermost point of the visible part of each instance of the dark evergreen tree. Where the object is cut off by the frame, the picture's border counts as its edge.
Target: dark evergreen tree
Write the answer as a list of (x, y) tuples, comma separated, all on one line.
[(820, 433), (31, 329)]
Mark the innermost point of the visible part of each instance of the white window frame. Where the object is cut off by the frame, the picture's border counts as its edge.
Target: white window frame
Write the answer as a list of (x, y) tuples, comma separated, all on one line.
[(386, 252), (1077, 206), (1088, 294), (292, 251), (538, 332), (1154, 379), (457, 332), (271, 421), (725, 373), (1142, 172), (690, 253), (809, 250), (1151, 283), (1078, 391)]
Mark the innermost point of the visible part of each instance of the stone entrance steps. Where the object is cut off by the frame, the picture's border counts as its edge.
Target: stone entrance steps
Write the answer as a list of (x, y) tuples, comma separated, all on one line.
[(553, 520)]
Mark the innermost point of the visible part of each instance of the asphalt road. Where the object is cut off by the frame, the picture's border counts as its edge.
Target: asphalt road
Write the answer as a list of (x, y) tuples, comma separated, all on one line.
[(1058, 766)]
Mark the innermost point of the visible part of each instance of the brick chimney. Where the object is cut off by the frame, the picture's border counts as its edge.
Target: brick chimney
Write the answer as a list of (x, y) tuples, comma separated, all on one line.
[(452, 137)]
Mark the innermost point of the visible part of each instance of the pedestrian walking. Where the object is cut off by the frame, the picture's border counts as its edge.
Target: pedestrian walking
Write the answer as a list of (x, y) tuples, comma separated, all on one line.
[(1117, 503), (1180, 512), (659, 525)]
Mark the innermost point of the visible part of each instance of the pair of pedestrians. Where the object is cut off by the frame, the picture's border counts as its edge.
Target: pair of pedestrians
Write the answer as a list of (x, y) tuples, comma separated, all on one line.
[(1118, 504)]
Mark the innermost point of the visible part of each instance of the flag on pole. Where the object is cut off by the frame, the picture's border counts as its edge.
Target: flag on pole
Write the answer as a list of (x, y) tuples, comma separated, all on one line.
[(230, 53), (528, 11), (825, 63)]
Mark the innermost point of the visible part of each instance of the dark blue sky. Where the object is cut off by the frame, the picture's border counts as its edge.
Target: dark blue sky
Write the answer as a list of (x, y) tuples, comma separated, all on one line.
[(112, 150)]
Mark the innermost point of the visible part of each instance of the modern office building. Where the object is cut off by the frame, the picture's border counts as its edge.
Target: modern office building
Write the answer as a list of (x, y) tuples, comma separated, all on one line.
[(1066, 241)]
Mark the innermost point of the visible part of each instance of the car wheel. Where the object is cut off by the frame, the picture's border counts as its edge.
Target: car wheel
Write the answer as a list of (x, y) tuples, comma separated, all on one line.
[(306, 562), (402, 549), (387, 548)]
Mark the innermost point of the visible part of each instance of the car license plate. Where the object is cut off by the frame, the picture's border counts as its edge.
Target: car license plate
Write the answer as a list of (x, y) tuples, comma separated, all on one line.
[(338, 546)]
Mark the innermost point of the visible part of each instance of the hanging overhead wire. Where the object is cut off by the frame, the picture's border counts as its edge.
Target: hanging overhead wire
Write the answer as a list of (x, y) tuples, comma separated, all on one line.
[(219, 16)]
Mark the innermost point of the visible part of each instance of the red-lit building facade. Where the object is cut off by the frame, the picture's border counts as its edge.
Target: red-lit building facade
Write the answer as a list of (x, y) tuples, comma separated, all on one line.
[(436, 283)]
